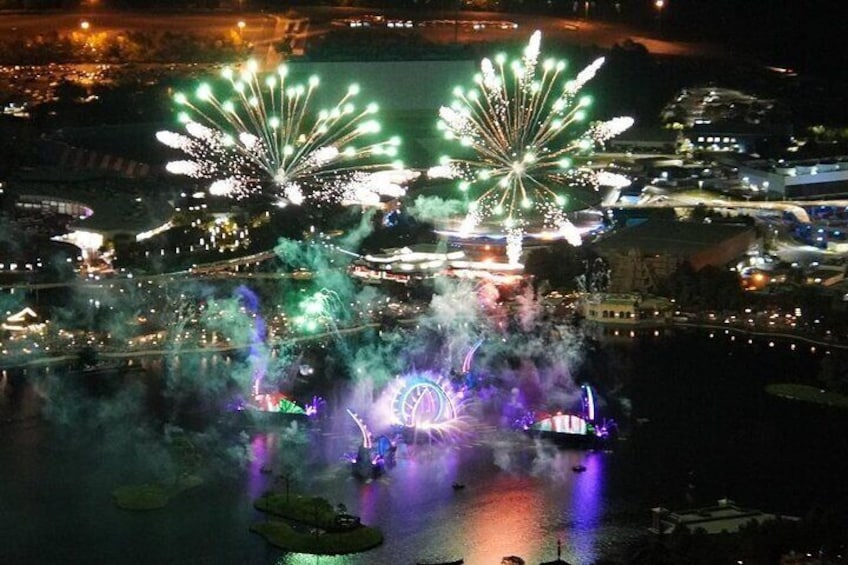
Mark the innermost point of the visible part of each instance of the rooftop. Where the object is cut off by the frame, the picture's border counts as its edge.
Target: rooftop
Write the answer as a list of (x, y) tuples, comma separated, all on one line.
[(119, 204), (725, 516), (655, 236), (791, 168)]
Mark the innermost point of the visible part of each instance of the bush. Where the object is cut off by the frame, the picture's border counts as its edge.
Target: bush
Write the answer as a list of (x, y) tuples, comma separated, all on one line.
[(146, 496)]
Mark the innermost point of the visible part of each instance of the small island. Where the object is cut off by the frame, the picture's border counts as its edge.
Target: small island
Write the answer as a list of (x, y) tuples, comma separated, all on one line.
[(806, 393), (312, 525), (152, 496)]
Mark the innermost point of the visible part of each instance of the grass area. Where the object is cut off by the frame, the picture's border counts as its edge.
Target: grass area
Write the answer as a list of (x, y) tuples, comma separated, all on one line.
[(323, 535), (806, 393), (284, 536), (152, 496)]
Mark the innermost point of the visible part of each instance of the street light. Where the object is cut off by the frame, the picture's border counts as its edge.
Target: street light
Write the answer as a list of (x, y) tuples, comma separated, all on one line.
[(659, 5), (84, 25), (241, 25)]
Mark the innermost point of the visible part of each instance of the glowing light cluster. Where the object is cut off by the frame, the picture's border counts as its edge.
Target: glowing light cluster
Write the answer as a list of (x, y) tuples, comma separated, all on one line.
[(517, 123), (264, 138), (276, 402)]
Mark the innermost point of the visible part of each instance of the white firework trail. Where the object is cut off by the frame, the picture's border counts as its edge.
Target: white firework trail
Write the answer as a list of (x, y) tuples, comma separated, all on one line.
[(265, 138), (517, 123)]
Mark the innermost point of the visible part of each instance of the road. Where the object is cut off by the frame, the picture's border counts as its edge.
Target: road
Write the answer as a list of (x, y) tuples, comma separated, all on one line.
[(691, 200)]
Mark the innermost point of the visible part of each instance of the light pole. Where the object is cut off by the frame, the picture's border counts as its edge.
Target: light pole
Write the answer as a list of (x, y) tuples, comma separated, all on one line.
[(659, 5), (457, 6)]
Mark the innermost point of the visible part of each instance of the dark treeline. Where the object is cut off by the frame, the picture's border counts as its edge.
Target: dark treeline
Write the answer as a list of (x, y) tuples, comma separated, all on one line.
[(803, 34)]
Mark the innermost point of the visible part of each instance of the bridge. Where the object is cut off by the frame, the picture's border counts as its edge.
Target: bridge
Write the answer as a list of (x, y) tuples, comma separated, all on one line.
[(793, 207)]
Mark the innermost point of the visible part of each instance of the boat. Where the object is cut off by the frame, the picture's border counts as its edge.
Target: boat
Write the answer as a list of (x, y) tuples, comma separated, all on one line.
[(458, 486), (581, 429), (578, 468)]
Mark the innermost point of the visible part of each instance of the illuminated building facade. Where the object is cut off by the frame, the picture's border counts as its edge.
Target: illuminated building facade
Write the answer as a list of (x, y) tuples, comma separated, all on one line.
[(408, 265), (798, 179)]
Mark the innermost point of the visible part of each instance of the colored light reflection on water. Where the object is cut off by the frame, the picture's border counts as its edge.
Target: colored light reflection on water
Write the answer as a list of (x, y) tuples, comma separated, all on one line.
[(508, 521), (518, 497), (422, 517), (263, 450), (309, 559), (586, 507)]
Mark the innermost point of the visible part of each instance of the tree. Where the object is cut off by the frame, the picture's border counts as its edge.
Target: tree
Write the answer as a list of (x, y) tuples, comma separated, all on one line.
[(709, 288), (831, 375), (561, 264), (287, 476)]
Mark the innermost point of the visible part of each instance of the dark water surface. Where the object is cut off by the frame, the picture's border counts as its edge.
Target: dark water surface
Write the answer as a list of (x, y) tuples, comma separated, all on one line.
[(700, 428)]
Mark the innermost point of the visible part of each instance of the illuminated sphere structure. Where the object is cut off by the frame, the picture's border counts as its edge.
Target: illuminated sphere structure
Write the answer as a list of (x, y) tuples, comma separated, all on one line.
[(425, 404)]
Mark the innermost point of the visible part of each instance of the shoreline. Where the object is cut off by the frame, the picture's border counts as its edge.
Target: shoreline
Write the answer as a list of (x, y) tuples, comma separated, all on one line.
[(48, 361), (325, 535)]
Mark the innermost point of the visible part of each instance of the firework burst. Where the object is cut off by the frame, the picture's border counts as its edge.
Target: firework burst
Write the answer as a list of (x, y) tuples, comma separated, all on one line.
[(517, 123), (319, 311), (264, 138)]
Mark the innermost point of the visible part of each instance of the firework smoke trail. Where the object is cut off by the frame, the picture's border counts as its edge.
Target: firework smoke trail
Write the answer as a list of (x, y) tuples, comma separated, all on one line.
[(267, 139), (517, 124), (258, 353), (515, 373)]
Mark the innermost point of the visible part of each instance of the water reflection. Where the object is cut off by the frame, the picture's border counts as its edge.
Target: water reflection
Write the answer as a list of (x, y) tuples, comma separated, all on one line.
[(309, 559), (507, 521), (263, 450), (519, 496), (368, 502), (586, 508)]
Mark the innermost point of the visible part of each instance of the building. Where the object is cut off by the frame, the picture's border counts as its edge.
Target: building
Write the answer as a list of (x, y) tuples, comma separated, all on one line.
[(643, 255), (826, 275), (96, 202), (24, 321), (724, 517), (736, 137), (625, 309), (407, 265), (798, 179), (645, 140)]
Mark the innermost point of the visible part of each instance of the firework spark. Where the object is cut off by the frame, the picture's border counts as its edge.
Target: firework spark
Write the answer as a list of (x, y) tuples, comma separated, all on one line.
[(319, 311), (517, 122), (264, 138)]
